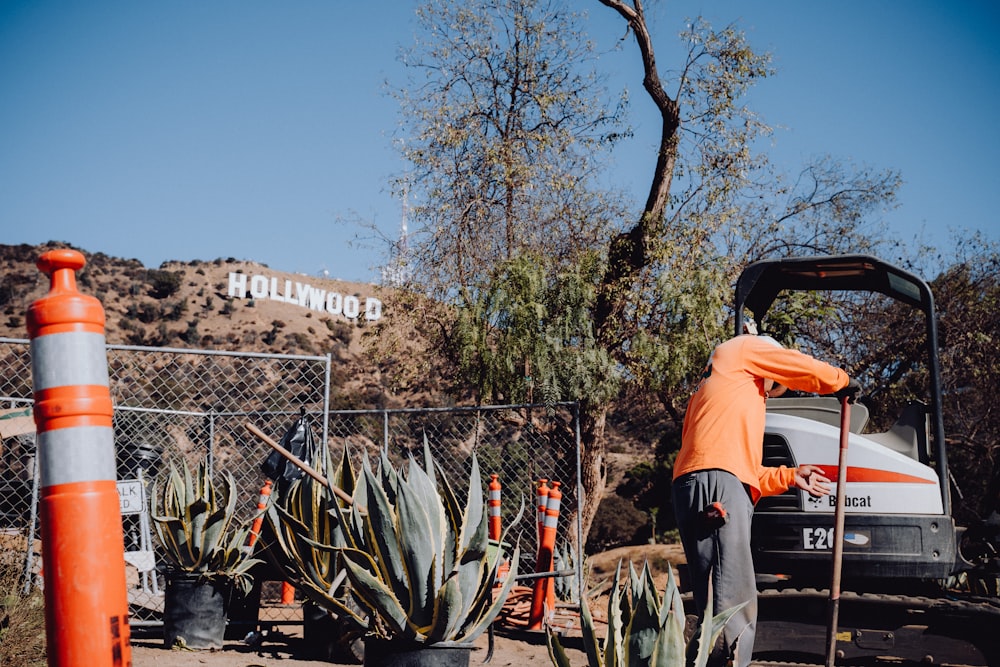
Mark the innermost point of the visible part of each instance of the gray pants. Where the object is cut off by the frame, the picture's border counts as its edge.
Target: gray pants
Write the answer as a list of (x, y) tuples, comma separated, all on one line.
[(720, 553)]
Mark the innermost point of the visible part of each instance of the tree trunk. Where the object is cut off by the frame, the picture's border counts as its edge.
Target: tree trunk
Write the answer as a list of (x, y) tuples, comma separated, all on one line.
[(593, 463), (628, 254)]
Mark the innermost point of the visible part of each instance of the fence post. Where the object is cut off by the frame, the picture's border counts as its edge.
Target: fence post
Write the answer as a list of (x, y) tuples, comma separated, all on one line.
[(83, 548)]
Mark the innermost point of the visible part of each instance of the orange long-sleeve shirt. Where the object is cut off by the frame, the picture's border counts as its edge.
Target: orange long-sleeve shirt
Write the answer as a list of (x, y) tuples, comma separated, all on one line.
[(724, 424)]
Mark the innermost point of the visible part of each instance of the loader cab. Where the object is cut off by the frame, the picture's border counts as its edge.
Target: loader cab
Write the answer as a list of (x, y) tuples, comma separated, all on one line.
[(898, 520)]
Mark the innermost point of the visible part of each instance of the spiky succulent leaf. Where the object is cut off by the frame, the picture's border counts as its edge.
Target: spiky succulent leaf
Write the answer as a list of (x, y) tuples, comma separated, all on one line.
[(487, 606), (381, 539), (194, 521), (654, 635), (711, 627), (421, 522), (643, 630), (614, 646), (448, 612), (591, 644), (557, 654), (670, 648), (366, 585)]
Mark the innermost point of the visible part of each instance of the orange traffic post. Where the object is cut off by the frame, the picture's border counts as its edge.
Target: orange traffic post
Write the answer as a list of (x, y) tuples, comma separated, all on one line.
[(86, 597), (258, 522), (495, 529), (552, 517), (541, 500), (494, 508), (287, 593), (544, 562)]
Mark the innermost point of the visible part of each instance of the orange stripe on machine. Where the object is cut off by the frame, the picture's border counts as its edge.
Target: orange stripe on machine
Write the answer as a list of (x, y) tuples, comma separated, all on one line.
[(857, 474)]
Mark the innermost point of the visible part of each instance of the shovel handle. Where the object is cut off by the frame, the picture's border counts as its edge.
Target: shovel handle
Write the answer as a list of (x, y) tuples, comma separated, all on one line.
[(838, 532), (305, 467)]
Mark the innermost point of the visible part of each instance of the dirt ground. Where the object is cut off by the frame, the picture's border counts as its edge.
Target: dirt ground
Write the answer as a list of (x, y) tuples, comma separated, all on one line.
[(508, 652), (513, 646)]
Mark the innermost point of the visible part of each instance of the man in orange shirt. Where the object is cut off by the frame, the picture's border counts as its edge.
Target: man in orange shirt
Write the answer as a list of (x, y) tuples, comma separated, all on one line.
[(719, 476)]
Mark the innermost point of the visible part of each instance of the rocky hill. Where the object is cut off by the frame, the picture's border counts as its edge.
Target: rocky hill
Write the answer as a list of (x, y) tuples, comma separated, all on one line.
[(221, 304)]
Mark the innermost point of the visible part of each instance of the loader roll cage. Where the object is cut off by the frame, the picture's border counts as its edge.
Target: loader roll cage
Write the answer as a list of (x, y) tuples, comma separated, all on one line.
[(761, 283)]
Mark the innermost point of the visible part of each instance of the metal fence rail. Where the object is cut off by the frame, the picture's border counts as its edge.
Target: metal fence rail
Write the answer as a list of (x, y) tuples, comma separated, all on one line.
[(177, 404)]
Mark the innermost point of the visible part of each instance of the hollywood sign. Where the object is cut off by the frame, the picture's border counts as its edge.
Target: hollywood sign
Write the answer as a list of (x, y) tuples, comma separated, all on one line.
[(303, 294)]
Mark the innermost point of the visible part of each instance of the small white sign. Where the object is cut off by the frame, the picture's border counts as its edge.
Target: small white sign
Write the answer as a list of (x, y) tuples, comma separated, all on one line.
[(131, 497)]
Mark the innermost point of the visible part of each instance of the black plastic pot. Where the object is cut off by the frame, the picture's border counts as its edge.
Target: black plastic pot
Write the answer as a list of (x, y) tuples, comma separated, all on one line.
[(387, 653), (194, 611), (330, 639), (244, 609)]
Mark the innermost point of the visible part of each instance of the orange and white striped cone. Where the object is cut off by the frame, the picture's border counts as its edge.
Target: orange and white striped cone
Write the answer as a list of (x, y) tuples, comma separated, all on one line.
[(541, 499), (86, 597), (258, 522), (495, 529), (494, 507), (545, 560), (552, 516)]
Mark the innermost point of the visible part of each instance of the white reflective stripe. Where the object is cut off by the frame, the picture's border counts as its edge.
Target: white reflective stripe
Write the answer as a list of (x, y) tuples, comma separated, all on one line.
[(553, 504), (64, 359), (551, 520), (76, 454), (494, 511), (494, 495)]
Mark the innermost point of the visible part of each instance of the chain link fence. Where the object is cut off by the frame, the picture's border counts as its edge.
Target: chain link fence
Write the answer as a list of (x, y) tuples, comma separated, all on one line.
[(178, 405)]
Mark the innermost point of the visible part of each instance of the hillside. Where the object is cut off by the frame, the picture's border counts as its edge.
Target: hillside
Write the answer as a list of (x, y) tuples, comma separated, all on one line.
[(197, 304), (222, 304)]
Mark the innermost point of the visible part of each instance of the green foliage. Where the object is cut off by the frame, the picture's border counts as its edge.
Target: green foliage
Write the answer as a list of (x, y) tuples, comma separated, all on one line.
[(531, 329), (643, 630), (195, 523), (418, 560), (163, 284)]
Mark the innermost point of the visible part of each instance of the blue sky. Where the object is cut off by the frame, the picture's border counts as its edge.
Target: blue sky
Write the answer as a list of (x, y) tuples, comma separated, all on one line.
[(186, 130)]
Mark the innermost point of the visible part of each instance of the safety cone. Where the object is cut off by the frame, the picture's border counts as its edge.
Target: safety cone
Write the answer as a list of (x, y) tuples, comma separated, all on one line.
[(495, 529), (545, 560), (258, 522), (494, 507), (86, 597), (552, 509), (541, 500)]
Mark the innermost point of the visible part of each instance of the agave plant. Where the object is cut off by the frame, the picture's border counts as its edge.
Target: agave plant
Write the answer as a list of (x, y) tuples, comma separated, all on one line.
[(417, 559), (564, 558), (643, 630), (307, 531), (195, 523)]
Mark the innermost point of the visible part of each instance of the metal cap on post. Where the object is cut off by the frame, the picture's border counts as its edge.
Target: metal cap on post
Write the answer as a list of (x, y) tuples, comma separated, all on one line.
[(86, 599)]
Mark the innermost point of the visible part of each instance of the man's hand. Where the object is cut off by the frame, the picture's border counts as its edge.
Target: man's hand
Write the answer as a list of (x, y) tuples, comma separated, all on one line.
[(851, 391), (810, 478)]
